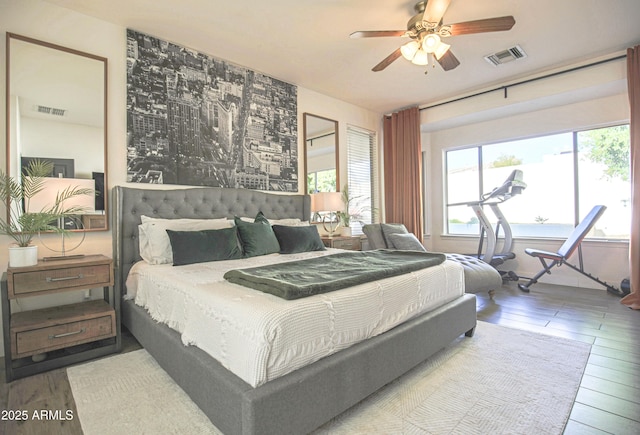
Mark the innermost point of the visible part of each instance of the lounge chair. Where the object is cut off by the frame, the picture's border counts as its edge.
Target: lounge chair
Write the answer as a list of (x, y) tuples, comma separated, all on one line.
[(478, 275)]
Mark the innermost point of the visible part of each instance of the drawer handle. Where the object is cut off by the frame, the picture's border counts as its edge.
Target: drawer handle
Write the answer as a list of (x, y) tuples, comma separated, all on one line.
[(66, 278), (51, 337)]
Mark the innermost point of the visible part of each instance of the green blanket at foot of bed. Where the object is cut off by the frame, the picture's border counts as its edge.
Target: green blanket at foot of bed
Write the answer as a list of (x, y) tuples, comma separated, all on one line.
[(299, 279)]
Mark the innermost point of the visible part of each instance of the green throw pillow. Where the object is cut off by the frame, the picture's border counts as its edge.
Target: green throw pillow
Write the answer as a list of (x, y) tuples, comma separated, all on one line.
[(190, 247), (257, 238), (298, 239), (260, 218)]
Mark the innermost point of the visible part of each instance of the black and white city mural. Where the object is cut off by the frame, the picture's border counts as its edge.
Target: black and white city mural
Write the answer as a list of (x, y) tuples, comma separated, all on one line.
[(196, 120)]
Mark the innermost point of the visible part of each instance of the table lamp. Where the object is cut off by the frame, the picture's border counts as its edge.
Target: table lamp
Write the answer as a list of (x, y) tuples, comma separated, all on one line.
[(330, 202), (46, 198)]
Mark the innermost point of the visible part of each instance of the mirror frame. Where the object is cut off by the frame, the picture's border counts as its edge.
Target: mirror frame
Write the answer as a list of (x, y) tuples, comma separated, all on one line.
[(336, 148), (8, 156)]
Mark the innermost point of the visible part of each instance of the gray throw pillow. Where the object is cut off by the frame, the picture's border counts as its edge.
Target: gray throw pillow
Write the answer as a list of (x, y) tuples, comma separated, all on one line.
[(389, 229), (406, 242), (374, 236)]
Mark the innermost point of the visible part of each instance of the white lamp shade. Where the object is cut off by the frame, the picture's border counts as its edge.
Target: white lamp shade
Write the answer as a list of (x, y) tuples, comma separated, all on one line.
[(421, 58), (326, 201), (409, 49), (430, 43), (46, 198), (441, 50)]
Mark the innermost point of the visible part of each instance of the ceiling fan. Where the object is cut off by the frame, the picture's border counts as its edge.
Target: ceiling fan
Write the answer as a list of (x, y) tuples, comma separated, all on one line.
[(426, 30)]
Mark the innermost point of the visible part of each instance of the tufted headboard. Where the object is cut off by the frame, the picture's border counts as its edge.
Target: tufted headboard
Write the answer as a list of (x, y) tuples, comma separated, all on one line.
[(196, 203)]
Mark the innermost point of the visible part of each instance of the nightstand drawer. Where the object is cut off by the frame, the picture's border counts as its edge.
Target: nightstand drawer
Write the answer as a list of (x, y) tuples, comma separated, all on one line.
[(54, 328), (64, 278), (56, 337), (351, 243)]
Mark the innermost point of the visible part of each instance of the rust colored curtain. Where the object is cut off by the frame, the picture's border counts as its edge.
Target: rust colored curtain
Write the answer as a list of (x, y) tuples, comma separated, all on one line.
[(633, 84), (403, 170)]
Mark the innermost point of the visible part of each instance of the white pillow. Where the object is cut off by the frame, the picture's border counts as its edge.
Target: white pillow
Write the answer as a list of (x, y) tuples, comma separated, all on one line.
[(154, 244), (291, 222)]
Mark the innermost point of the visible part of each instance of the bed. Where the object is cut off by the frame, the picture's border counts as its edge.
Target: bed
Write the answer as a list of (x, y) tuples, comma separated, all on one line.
[(303, 399)]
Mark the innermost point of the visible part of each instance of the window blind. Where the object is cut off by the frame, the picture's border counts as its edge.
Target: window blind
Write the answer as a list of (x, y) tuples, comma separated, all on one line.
[(361, 176)]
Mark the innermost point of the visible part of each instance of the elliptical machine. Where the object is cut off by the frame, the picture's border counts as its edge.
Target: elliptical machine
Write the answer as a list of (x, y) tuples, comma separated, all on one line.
[(511, 187)]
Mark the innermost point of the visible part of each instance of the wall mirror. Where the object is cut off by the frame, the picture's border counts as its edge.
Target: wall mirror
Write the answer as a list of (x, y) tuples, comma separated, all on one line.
[(57, 111), (321, 154)]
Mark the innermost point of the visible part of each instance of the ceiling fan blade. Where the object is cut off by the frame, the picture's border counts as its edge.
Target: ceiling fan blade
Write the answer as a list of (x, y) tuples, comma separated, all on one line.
[(497, 24), (434, 11), (387, 61), (377, 33), (448, 61)]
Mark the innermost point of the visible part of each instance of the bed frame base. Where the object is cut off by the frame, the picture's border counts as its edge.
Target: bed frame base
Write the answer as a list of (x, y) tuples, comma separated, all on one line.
[(304, 399), (309, 397)]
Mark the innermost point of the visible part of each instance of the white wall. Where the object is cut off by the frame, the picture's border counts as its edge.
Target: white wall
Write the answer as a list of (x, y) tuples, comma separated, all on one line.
[(346, 114), (589, 97), (41, 20), (326, 158), (82, 143)]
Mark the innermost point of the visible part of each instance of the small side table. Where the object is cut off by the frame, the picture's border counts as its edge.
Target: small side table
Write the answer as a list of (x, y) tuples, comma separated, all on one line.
[(66, 333), (350, 243)]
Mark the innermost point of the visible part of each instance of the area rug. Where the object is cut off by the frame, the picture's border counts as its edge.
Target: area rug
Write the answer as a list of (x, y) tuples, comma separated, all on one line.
[(500, 381)]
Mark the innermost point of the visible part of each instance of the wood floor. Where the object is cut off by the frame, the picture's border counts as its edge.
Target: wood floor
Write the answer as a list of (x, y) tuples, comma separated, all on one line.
[(45, 391), (608, 400)]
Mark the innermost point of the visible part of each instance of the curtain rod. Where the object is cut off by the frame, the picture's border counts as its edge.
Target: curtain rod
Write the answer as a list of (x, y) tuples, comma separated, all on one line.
[(505, 87), (321, 136)]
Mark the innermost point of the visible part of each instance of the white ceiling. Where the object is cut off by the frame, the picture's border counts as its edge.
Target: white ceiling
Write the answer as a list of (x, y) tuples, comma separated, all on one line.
[(306, 42)]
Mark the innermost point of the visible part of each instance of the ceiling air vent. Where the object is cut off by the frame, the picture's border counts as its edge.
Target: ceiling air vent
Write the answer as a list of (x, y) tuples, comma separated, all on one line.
[(508, 55), (50, 110)]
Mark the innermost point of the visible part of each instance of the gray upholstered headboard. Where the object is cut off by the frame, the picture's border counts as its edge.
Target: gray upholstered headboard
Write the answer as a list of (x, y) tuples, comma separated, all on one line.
[(196, 203)]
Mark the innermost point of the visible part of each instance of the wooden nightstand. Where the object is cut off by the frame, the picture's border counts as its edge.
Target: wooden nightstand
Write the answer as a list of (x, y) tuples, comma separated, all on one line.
[(68, 333), (91, 221), (351, 243)]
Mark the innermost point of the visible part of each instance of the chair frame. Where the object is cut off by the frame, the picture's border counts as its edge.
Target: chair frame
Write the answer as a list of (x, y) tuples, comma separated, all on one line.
[(573, 243)]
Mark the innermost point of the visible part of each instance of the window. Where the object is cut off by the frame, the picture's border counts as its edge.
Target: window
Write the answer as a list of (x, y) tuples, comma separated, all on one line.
[(425, 186), (361, 176), (605, 178), (322, 181), (566, 175)]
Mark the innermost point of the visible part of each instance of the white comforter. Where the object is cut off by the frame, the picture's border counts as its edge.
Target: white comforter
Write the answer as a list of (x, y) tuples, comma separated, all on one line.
[(260, 337)]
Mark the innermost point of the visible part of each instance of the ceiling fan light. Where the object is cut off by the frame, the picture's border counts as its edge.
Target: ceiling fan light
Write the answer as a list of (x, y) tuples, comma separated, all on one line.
[(430, 42), (421, 58), (440, 50), (410, 49)]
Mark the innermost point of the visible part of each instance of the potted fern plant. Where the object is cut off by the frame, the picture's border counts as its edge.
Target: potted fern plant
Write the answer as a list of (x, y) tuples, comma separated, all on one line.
[(352, 210), (23, 225)]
